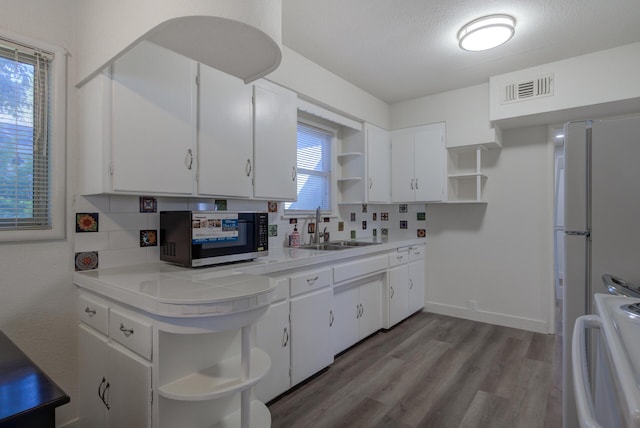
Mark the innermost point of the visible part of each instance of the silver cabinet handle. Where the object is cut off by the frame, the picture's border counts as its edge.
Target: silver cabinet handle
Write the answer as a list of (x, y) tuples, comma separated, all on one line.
[(417, 183), (311, 281), (410, 284), (361, 310), (370, 183), (392, 292), (412, 181), (105, 396), (188, 160), (89, 311), (126, 331), (331, 318), (294, 174), (285, 337), (248, 168)]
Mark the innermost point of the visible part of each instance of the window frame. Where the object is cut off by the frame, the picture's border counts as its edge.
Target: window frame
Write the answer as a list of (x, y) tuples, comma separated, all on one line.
[(334, 130), (57, 145)]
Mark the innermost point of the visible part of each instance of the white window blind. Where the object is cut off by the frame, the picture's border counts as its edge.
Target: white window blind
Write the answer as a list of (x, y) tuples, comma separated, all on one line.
[(314, 169), (24, 138)]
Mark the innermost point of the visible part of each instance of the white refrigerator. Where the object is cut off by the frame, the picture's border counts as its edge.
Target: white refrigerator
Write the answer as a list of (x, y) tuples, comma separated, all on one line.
[(602, 222)]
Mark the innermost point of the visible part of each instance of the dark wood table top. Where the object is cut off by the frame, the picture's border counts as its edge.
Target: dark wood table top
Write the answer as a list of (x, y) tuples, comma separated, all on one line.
[(24, 388)]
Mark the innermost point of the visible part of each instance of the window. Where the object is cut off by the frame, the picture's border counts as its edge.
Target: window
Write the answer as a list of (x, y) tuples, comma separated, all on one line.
[(314, 169), (29, 189)]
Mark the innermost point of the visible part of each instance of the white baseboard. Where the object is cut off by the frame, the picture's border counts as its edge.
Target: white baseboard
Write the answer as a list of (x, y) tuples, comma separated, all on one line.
[(488, 317)]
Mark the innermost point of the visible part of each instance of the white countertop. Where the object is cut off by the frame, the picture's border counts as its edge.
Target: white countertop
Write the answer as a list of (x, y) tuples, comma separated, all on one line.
[(168, 290)]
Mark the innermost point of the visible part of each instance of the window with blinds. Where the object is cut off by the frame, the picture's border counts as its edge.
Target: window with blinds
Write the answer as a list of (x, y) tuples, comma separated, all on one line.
[(24, 138), (314, 169)]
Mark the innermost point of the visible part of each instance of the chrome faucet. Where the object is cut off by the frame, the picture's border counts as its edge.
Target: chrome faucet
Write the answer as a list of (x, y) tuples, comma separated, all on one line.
[(316, 236)]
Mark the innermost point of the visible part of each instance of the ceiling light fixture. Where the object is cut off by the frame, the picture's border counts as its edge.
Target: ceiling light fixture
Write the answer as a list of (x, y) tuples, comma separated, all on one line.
[(486, 32)]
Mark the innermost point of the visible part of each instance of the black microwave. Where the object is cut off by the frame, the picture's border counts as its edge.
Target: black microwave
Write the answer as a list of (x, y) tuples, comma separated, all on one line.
[(202, 238)]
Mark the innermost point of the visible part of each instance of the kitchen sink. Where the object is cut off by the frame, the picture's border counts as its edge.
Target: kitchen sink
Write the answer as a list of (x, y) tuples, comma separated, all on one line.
[(337, 245)]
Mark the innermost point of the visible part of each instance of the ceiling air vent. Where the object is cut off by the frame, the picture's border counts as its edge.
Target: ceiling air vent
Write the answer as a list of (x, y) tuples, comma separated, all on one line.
[(529, 89)]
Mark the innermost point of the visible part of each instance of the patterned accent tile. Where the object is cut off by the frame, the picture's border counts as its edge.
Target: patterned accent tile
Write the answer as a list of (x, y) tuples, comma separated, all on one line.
[(87, 222), (326, 219), (340, 226), (364, 208), (353, 234), (364, 225), (402, 208), (374, 216), (384, 216), (148, 204), (273, 230), (86, 261), (293, 221), (422, 233), (384, 232), (352, 217), (148, 238), (375, 233), (273, 207), (404, 224), (421, 216), (311, 228), (221, 204)]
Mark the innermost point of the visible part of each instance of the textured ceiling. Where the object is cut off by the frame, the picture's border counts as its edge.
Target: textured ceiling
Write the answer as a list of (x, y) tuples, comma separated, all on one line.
[(403, 49)]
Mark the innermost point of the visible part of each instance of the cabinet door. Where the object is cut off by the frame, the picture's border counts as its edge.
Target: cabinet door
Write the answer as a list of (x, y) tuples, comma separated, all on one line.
[(370, 307), (153, 121), (273, 337), (402, 178), (429, 163), (92, 377), (378, 165), (344, 329), (225, 143), (129, 393), (311, 345), (398, 294), (417, 285), (275, 143)]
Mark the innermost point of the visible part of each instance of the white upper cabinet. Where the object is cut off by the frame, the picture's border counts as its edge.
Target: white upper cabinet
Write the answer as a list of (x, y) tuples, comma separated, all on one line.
[(225, 145), (418, 164), (153, 121), (363, 166), (275, 123), (378, 165)]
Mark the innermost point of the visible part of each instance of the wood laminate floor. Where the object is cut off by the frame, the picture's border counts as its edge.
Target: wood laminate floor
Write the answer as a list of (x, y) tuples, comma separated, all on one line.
[(434, 371)]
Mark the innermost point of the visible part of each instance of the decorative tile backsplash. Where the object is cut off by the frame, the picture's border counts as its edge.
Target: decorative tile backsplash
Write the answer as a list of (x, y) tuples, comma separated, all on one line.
[(120, 230)]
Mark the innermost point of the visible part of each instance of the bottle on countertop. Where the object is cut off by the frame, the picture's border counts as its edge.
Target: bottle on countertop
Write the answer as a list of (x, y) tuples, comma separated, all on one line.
[(294, 239)]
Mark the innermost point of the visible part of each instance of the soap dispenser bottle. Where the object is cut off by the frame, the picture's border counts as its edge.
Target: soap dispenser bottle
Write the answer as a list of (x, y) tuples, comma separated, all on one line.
[(295, 237)]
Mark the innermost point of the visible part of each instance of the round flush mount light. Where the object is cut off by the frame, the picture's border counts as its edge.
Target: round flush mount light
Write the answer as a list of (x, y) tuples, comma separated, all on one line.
[(486, 32)]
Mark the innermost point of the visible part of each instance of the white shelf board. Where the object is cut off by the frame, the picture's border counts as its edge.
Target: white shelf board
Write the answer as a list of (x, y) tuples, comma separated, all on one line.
[(217, 381), (469, 201), (467, 175), (259, 417), (349, 154), (345, 179)]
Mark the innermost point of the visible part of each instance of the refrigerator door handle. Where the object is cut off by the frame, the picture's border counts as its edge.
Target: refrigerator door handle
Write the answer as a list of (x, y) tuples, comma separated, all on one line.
[(586, 233)]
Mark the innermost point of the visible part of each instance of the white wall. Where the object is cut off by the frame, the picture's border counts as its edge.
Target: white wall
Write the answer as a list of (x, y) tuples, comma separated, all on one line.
[(319, 85), (603, 83), (499, 254), (36, 293)]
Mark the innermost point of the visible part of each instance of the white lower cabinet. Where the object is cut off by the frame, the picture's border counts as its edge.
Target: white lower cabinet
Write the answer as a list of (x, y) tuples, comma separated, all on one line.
[(274, 337), (398, 294), (204, 369), (417, 278), (357, 312), (406, 291), (115, 385), (311, 344)]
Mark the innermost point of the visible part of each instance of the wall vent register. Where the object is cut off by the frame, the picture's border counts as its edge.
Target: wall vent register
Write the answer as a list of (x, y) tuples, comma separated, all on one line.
[(530, 89)]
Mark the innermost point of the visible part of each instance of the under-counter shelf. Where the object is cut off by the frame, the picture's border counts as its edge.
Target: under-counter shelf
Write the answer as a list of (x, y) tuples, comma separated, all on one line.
[(219, 380), (341, 180), (349, 155), (259, 417)]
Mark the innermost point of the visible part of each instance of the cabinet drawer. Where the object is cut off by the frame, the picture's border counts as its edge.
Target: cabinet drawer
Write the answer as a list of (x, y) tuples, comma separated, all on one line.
[(359, 268), (416, 253), (94, 313), (131, 332), (310, 280), (398, 258)]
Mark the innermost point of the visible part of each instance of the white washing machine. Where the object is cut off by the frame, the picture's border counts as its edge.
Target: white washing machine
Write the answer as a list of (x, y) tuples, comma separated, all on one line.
[(612, 398)]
